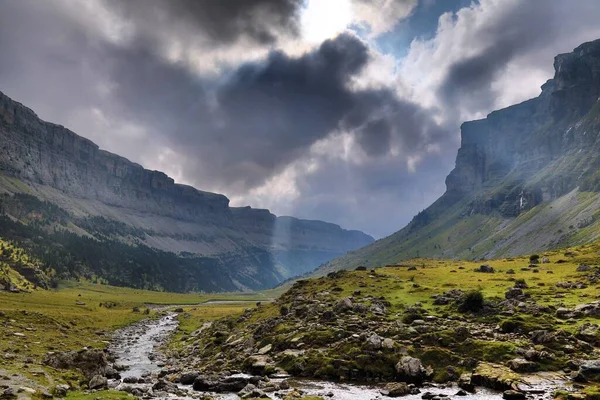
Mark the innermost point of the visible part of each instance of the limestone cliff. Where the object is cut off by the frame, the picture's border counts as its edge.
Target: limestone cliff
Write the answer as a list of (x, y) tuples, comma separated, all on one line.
[(251, 248), (527, 178)]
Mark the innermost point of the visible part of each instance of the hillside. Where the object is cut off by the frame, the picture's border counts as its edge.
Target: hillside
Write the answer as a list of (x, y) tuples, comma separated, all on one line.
[(494, 325), (526, 178), (85, 212)]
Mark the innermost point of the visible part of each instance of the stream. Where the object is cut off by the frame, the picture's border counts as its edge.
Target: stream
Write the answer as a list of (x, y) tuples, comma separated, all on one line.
[(136, 348)]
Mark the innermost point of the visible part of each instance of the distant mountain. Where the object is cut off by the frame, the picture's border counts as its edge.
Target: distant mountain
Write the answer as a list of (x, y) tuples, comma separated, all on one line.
[(85, 212), (527, 178)]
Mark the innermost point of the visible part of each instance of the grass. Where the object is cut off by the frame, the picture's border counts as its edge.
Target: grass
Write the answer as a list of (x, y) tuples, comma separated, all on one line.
[(404, 287), (81, 315)]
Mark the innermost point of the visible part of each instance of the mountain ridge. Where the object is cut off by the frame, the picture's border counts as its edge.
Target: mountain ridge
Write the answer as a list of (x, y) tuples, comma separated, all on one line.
[(147, 208), (528, 173)]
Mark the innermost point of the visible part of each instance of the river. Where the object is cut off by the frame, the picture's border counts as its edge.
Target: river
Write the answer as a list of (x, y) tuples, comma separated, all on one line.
[(136, 348)]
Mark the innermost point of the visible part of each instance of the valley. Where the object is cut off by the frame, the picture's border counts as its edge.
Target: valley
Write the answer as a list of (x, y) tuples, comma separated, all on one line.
[(526, 324)]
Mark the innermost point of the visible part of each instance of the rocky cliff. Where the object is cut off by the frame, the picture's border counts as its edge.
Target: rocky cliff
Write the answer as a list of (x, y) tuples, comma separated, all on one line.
[(527, 178), (106, 197)]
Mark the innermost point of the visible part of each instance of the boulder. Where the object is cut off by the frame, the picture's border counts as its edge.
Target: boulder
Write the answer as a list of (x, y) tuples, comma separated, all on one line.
[(410, 369), (373, 342), (522, 365), (589, 333), (514, 293), (89, 362), (250, 391), (98, 382), (344, 305), (188, 378), (589, 371), (396, 389), (485, 268), (61, 390)]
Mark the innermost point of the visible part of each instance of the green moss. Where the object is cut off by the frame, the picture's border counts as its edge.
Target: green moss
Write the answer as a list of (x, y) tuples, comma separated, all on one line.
[(486, 351)]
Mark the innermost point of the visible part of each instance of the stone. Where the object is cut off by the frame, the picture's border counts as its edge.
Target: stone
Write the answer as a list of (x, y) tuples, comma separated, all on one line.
[(61, 390), (265, 349), (188, 378), (344, 305), (410, 369), (522, 365), (396, 389), (513, 395), (98, 382), (387, 343), (373, 342), (485, 268), (589, 371)]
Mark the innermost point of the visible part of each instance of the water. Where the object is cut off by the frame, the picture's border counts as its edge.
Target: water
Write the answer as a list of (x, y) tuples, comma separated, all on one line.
[(136, 347)]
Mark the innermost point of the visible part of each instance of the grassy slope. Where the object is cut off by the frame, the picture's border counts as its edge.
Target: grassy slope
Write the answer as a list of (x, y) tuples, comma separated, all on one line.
[(453, 235), (324, 343)]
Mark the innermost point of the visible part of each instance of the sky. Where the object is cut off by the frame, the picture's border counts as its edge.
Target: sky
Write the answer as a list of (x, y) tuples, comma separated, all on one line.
[(347, 111)]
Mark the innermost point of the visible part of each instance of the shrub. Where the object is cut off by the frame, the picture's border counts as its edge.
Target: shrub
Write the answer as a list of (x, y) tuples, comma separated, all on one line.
[(471, 301), (534, 259)]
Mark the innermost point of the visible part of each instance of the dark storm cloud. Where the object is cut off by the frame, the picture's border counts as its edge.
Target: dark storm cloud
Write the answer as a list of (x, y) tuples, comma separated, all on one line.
[(245, 129), (222, 21)]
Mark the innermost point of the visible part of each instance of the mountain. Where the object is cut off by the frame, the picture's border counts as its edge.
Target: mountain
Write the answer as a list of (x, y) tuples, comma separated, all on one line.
[(527, 178), (85, 212)]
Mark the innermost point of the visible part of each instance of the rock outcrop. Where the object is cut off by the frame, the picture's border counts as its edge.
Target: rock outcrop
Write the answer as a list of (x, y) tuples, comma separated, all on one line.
[(100, 194)]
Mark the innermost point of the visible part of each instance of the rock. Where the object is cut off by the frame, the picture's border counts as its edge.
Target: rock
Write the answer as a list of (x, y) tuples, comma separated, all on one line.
[(378, 309), (583, 268), (513, 395), (265, 349), (522, 365), (494, 376), (485, 268), (461, 393), (396, 389), (188, 378), (410, 369), (387, 343), (343, 305), (89, 362), (542, 336), (98, 382), (464, 382), (131, 379), (589, 371), (328, 315), (8, 393), (545, 260), (164, 386), (589, 333), (61, 390), (250, 391), (514, 293), (25, 389), (373, 342)]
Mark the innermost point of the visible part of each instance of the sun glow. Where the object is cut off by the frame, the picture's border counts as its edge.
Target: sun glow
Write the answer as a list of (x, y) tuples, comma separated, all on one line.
[(324, 19)]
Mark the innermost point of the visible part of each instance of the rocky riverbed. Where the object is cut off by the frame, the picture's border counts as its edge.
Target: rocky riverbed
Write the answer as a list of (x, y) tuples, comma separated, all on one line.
[(147, 373)]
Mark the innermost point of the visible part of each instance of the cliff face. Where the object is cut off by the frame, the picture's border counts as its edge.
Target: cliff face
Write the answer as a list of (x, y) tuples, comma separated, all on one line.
[(511, 169), (254, 248)]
